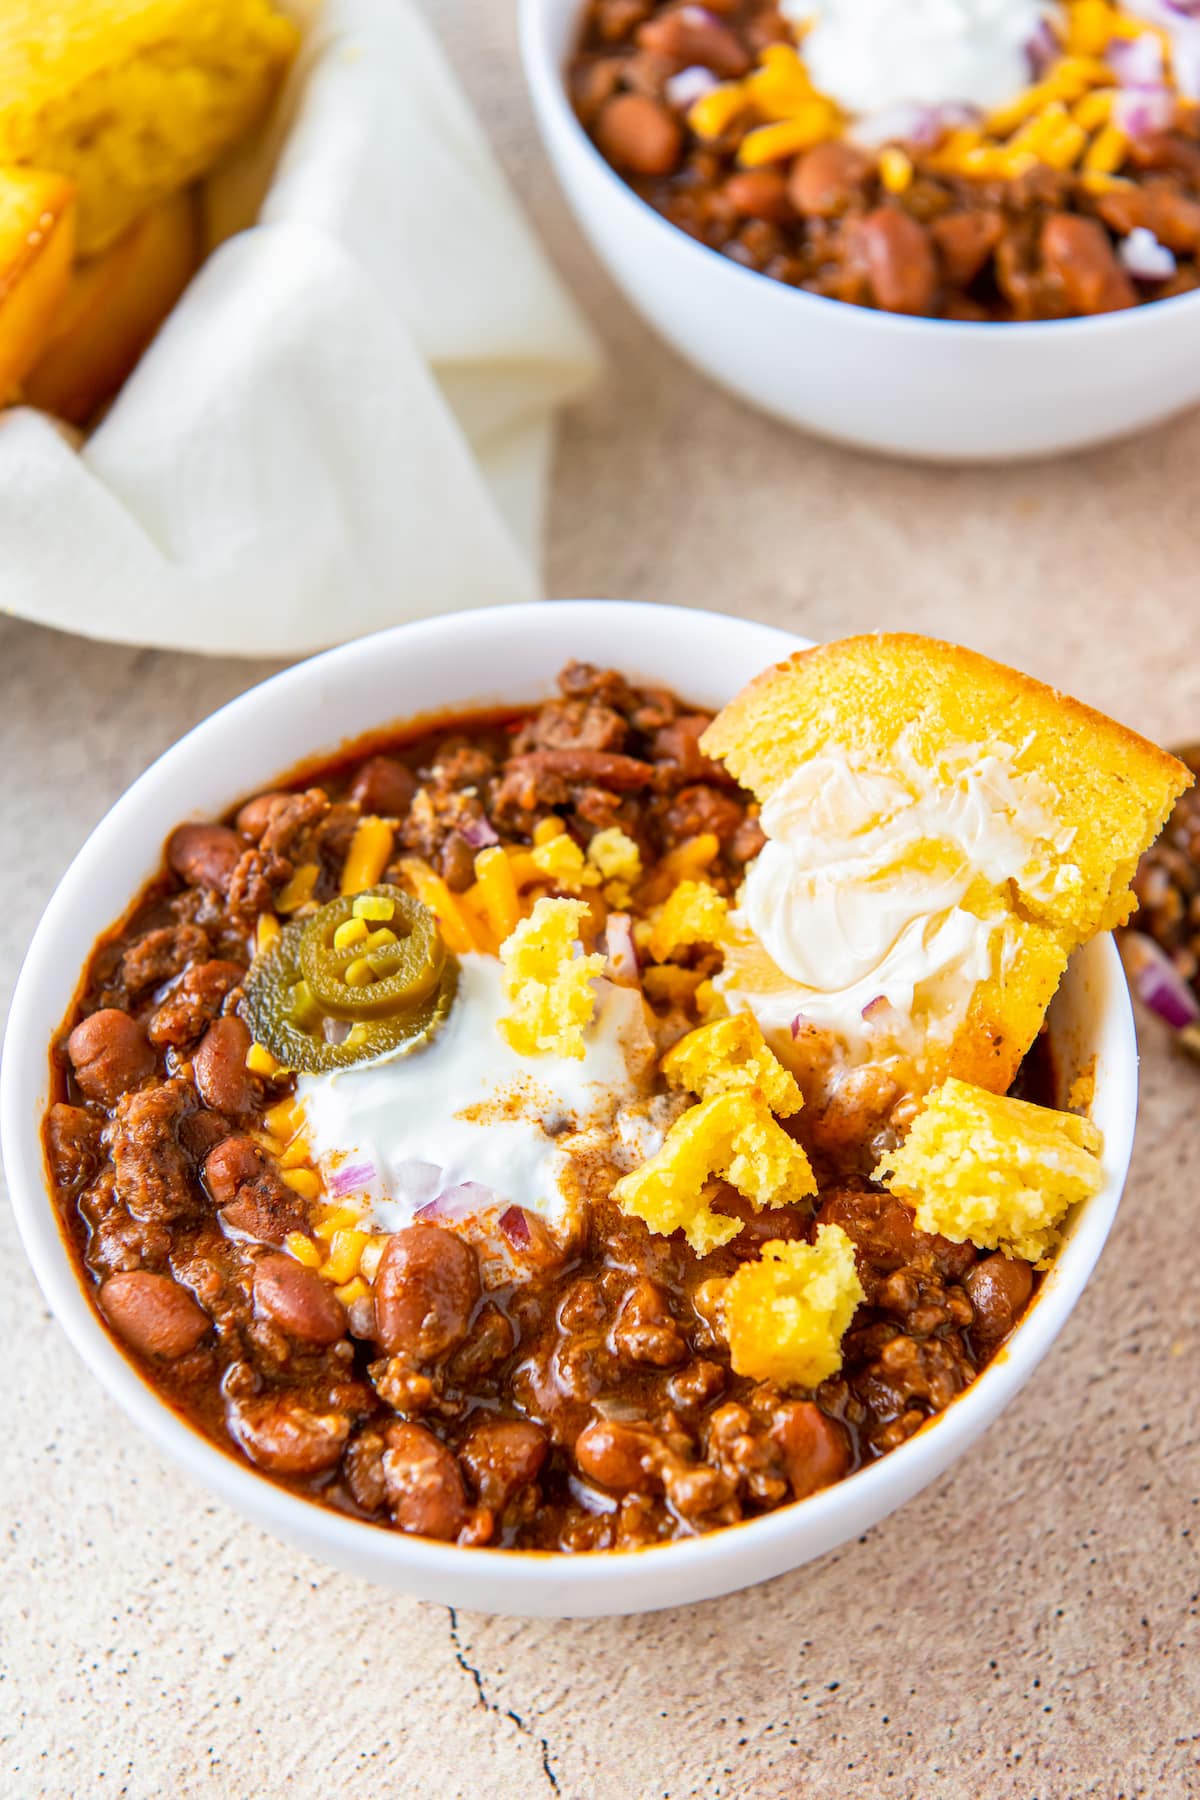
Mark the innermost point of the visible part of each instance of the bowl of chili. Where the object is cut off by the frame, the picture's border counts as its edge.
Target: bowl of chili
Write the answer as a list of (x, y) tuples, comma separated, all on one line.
[(748, 301), (483, 667)]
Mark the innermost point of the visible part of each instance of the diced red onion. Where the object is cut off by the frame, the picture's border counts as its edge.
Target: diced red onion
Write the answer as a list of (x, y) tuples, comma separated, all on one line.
[(622, 951), (800, 1023), (683, 90), (1042, 48), (478, 833), (1158, 982), (355, 1175), (515, 1226), (1143, 112), (1185, 59), (416, 1181), (1144, 257), (461, 1201), (874, 1007), (1136, 62)]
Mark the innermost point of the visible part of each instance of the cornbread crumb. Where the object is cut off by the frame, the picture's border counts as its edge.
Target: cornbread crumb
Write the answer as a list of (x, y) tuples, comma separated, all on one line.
[(548, 987), (785, 1316), (997, 1172), (563, 864), (615, 855), (731, 1055), (730, 1137), (693, 913)]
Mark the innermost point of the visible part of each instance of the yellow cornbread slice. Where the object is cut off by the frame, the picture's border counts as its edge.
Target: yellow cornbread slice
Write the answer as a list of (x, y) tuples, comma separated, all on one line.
[(547, 986), (728, 1056), (692, 913), (37, 216), (989, 1170), (733, 1137), (785, 1315), (133, 99), (916, 713)]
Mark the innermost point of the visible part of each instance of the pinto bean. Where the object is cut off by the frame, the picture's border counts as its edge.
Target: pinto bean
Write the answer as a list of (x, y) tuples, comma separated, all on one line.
[(252, 1197), (109, 1054), (620, 1457), (278, 1433), (815, 1450), (1171, 216), (204, 856), (219, 1068), (423, 1483), (998, 1288), (639, 135), (827, 179), (153, 1314), (297, 1300), (426, 1288), (689, 35), (502, 1456), (964, 241), (1079, 257), (253, 818), (901, 269), (385, 786), (760, 195)]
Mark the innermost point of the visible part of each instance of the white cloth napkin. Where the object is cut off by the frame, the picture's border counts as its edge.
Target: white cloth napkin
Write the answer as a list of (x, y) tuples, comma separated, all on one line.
[(346, 420)]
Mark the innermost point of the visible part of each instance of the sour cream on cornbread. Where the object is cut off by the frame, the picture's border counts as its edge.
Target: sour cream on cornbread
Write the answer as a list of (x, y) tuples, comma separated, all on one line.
[(858, 895), (467, 1126), (872, 54)]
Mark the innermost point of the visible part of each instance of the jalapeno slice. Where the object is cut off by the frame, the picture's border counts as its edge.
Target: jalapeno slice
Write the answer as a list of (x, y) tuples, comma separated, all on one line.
[(284, 1012), (371, 967)]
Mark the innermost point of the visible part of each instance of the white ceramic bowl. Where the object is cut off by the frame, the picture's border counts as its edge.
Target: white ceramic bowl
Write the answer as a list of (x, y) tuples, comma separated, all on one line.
[(911, 387), (501, 655)]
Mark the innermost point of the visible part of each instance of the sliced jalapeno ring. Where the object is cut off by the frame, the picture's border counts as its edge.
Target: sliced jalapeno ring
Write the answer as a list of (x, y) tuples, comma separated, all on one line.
[(372, 977), (282, 1012)]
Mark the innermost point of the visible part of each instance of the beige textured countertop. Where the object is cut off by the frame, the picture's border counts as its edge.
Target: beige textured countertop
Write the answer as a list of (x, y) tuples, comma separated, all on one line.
[(1026, 1628)]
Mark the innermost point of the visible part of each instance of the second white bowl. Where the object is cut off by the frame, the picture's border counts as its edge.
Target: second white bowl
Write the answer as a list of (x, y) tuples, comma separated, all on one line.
[(912, 387)]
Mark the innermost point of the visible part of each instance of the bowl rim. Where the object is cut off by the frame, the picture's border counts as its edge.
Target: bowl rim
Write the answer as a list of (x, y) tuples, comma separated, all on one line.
[(545, 78), (821, 1517)]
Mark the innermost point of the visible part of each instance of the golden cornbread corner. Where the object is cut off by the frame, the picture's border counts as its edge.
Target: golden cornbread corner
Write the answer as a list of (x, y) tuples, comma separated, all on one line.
[(732, 1055), (692, 913), (731, 1136), (134, 99), (547, 986), (989, 1170), (785, 1315), (37, 241), (917, 710)]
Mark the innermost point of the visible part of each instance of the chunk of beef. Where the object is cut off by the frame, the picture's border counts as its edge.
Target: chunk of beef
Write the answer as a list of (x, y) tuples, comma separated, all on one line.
[(152, 1169), (193, 1003), (161, 955)]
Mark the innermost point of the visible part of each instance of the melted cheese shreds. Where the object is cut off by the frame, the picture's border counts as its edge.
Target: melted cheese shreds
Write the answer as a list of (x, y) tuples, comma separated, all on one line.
[(548, 988), (997, 1172), (730, 1137), (693, 913), (786, 1314), (731, 1055)]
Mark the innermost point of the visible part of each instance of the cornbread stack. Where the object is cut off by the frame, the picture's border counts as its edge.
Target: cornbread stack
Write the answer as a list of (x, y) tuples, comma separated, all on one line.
[(109, 113)]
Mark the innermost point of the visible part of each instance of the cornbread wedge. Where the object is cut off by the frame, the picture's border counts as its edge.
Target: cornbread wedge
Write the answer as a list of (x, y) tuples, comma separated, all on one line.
[(954, 829), (134, 99), (115, 304), (36, 242)]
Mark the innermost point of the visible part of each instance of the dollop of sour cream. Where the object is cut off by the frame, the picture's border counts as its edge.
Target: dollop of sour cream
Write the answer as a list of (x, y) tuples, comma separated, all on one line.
[(468, 1118), (869, 55), (857, 895)]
